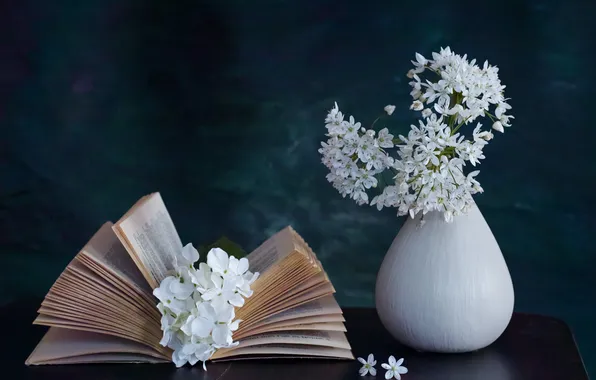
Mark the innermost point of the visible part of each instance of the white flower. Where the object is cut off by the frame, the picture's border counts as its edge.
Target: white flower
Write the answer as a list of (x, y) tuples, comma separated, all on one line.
[(221, 263), (366, 148), (202, 278), (426, 112), (223, 292), (368, 366), (368, 181), (208, 321), (385, 139), (394, 368), (417, 105), (389, 109), (238, 266), (334, 120), (420, 60), (173, 294), (197, 305), (195, 351), (244, 285), (498, 126), (167, 321), (189, 255)]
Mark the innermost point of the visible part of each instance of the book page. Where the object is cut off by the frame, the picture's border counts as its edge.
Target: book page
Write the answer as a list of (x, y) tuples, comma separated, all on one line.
[(334, 339), (284, 350), (62, 303), (272, 251), (94, 322), (106, 249), (323, 306), (51, 321), (290, 286), (291, 324), (323, 309), (150, 237), (324, 326), (146, 299), (103, 358), (279, 279), (272, 309), (60, 343), (312, 338), (99, 275), (109, 295)]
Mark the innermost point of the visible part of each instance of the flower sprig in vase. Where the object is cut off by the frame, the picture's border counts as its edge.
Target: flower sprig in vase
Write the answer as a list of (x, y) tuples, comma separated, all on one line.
[(444, 287), (428, 173)]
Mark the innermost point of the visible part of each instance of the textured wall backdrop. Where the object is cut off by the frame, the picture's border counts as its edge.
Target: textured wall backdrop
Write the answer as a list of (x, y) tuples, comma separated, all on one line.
[(219, 105)]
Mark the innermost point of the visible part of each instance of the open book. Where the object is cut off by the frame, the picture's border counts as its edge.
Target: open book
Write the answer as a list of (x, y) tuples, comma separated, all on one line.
[(101, 308)]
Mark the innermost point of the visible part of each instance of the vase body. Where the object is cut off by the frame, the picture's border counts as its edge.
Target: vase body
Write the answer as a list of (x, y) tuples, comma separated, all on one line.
[(445, 287)]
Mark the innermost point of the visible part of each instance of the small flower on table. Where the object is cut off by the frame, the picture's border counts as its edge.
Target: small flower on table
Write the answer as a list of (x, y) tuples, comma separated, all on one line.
[(368, 366), (394, 368)]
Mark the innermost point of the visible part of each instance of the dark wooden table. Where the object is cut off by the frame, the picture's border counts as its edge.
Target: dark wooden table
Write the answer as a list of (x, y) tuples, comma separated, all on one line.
[(532, 347)]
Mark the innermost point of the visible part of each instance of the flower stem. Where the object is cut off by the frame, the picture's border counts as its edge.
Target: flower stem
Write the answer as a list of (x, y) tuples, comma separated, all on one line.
[(452, 176), (373, 124), (412, 180), (458, 127), (492, 117), (419, 191)]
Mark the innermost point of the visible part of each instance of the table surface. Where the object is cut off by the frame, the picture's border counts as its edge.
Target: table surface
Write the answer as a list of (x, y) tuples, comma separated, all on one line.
[(532, 347)]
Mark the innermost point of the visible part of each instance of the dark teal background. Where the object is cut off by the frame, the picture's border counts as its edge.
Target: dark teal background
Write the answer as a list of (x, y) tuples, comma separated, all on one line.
[(219, 105)]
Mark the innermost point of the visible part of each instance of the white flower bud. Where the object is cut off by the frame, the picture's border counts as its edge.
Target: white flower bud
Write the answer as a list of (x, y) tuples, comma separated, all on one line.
[(421, 60), (485, 135), (426, 112), (389, 109), (497, 126), (417, 105), (410, 74), (363, 130)]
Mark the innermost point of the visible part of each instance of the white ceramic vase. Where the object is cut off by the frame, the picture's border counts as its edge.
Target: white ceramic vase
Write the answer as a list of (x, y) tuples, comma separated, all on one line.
[(445, 287)]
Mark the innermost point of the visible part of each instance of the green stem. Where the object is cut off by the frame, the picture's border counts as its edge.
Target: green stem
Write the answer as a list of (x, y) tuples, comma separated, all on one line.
[(412, 180), (452, 176), (418, 195), (373, 124), (455, 99), (492, 117), (458, 127)]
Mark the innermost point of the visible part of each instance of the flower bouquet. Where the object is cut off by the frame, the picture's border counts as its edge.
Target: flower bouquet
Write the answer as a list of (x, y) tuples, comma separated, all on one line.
[(428, 173), (444, 287)]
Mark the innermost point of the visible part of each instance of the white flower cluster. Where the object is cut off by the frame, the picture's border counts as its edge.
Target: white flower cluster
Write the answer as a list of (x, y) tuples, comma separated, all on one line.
[(354, 155), (462, 89), (197, 305), (429, 173)]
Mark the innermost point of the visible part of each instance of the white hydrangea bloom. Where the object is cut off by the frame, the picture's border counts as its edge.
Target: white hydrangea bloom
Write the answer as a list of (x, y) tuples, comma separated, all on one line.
[(198, 305), (428, 173)]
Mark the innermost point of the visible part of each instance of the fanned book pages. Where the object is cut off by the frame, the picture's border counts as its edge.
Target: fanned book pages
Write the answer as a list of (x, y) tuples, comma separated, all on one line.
[(101, 308)]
